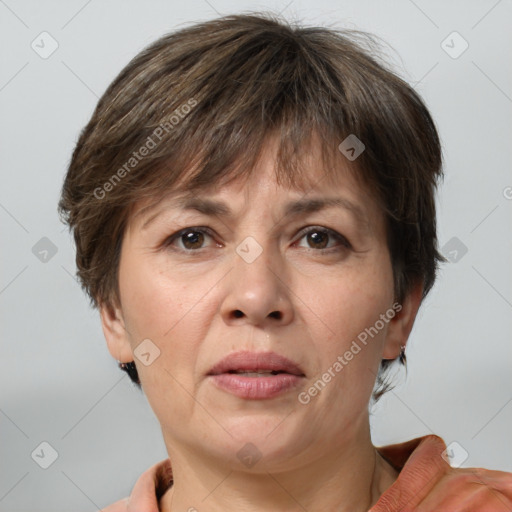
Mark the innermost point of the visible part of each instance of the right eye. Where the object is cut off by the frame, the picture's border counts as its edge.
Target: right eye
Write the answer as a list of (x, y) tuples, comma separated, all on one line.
[(189, 239)]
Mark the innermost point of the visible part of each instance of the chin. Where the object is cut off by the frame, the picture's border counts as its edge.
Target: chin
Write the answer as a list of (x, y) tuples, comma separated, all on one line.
[(268, 431)]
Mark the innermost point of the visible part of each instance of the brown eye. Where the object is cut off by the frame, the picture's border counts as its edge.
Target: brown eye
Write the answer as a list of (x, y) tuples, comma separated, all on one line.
[(317, 239), (323, 239), (190, 239)]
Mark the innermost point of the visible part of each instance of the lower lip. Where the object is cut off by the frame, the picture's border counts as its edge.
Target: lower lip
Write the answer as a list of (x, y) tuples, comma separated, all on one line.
[(256, 388)]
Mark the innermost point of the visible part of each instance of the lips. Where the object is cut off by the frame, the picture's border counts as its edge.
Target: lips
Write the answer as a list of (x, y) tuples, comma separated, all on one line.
[(256, 375), (256, 364)]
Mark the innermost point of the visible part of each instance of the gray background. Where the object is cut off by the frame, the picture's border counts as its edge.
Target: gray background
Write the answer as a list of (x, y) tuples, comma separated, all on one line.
[(58, 382)]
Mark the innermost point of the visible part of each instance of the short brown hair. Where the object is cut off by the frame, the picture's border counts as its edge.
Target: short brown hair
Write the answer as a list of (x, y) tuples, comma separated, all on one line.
[(204, 100)]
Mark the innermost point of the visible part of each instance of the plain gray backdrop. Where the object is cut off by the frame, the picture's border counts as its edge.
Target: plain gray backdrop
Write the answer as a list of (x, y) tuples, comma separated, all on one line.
[(59, 384)]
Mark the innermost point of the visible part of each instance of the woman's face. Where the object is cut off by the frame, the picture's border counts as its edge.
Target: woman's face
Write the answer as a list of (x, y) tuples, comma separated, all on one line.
[(309, 285)]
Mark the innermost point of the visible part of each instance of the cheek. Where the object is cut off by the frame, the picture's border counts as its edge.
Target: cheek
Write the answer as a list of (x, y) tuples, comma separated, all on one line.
[(344, 318), (146, 303), (156, 301), (352, 299), (173, 310), (164, 309)]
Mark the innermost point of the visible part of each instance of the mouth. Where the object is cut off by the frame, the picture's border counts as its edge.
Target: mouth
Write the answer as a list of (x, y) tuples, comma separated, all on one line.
[(256, 376), (256, 364), (257, 373)]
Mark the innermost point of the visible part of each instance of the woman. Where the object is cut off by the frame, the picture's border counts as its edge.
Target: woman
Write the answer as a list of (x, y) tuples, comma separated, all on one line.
[(253, 209)]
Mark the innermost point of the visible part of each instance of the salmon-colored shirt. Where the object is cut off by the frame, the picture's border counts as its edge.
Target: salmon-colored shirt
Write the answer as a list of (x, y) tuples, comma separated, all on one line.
[(425, 483)]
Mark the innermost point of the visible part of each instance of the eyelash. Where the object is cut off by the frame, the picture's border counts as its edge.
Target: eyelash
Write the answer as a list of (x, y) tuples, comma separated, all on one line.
[(310, 229)]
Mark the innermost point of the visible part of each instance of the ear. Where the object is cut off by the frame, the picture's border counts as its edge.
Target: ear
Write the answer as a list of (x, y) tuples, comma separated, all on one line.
[(400, 326), (115, 332)]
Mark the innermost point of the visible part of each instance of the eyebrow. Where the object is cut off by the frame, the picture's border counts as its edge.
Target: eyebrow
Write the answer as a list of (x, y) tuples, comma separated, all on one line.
[(292, 209)]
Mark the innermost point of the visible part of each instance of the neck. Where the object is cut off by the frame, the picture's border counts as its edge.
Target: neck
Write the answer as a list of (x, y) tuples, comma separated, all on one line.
[(349, 478)]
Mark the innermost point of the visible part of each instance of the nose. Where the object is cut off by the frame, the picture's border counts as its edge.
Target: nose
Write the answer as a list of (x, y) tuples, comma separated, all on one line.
[(257, 293)]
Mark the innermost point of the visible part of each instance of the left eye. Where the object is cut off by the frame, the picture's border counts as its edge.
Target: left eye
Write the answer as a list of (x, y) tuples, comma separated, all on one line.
[(323, 238)]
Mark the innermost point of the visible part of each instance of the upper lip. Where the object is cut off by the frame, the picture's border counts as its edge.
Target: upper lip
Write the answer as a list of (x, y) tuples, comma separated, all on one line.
[(253, 361)]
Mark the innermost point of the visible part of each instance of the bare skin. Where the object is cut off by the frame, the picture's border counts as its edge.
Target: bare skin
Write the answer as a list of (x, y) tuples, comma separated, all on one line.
[(307, 296)]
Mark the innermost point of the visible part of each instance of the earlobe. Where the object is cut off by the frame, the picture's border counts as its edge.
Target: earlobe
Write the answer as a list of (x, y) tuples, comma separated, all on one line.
[(400, 326), (116, 335)]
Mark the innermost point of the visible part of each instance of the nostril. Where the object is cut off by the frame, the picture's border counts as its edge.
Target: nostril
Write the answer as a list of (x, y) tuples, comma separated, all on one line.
[(238, 314), (276, 314)]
